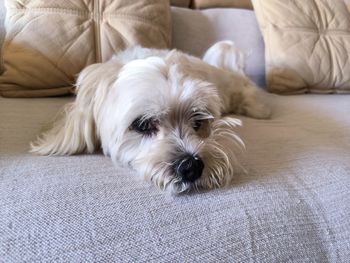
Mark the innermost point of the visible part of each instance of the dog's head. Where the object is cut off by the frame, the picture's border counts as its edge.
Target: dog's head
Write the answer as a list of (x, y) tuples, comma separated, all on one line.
[(155, 115)]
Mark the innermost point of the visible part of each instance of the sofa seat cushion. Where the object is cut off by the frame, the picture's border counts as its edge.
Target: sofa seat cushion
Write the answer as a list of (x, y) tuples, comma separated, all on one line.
[(294, 203)]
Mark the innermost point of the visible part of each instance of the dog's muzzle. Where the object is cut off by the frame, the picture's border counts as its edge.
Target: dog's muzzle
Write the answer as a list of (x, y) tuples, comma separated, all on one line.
[(189, 168)]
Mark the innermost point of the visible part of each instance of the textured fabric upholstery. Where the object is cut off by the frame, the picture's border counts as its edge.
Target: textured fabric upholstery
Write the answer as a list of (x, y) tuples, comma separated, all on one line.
[(292, 206)]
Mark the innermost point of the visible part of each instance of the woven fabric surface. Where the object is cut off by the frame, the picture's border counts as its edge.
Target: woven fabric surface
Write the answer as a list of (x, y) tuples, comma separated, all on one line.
[(292, 206)]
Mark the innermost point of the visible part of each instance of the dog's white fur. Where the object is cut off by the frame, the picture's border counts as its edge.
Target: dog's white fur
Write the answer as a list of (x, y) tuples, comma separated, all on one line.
[(172, 88)]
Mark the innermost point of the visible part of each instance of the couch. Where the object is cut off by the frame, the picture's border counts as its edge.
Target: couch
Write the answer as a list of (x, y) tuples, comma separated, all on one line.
[(293, 205)]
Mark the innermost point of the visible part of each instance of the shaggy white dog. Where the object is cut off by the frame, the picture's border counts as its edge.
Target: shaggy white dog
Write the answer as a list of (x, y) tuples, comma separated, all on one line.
[(159, 111)]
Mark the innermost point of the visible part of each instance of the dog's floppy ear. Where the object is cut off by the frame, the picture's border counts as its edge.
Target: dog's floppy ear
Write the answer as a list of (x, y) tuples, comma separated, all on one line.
[(75, 132)]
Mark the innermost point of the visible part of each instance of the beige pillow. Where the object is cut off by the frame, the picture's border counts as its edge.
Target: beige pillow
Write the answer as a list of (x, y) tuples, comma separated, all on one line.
[(49, 42), (307, 45)]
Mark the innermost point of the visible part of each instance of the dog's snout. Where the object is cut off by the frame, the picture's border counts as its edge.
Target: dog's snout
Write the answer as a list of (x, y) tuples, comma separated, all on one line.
[(189, 168)]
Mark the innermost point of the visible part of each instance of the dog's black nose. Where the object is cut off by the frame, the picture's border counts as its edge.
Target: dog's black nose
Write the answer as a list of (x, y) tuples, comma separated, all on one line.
[(189, 168)]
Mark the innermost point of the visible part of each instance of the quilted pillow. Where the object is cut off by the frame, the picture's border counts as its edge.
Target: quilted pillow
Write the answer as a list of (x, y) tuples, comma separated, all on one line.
[(49, 42), (307, 45)]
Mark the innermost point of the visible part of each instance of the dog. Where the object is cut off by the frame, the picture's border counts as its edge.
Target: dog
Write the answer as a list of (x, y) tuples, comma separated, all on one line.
[(162, 113)]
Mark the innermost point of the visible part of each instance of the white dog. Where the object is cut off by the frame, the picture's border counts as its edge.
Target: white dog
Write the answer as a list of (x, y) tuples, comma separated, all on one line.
[(160, 112)]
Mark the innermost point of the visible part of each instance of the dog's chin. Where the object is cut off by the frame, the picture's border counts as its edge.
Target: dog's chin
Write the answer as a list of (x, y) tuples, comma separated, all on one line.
[(175, 185), (210, 179), (169, 182)]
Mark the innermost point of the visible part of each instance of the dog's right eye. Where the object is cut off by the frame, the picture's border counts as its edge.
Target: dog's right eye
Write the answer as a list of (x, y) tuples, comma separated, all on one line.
[(144, 126)]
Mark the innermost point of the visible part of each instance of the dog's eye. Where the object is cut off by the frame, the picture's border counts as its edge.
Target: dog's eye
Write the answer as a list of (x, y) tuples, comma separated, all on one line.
[(196, 125), (145, 126)]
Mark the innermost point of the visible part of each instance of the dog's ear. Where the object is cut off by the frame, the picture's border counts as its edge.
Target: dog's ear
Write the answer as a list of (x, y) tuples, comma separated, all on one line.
[(75, 132)]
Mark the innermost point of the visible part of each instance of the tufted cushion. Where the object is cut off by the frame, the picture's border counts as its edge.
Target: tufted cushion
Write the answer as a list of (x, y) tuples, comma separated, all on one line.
[(49, 42), (307, 45)]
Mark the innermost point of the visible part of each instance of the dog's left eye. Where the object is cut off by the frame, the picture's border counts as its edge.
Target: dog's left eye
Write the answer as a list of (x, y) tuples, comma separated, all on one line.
[(196, 124), (145, 126)]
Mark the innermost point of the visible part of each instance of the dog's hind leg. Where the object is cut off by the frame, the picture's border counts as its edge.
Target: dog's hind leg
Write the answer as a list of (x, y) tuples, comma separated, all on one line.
[(239, 94)]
